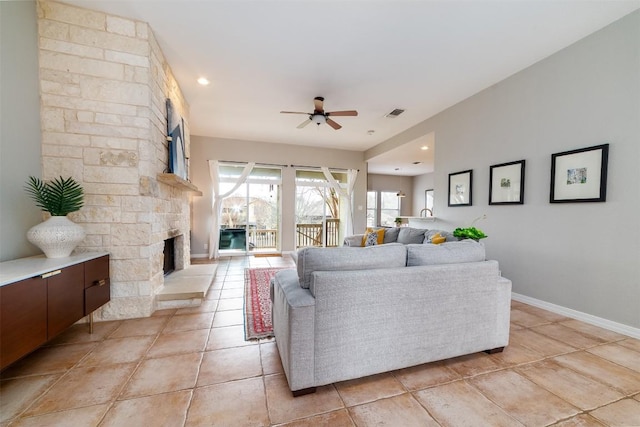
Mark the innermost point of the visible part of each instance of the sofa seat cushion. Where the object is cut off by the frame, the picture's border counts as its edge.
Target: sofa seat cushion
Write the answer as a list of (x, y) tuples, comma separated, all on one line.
[(408, 235), (445, 253), (348, 258)]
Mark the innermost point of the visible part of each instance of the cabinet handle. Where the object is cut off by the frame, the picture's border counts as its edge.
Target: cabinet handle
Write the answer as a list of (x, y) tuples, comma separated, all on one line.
[(100, 282), (51, 273)]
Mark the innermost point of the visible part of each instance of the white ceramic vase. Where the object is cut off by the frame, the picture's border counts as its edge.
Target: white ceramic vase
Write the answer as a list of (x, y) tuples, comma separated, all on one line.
[(57, 237)]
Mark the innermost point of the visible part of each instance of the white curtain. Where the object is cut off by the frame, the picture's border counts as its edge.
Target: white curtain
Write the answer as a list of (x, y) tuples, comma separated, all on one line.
[(345, 193), (216, 208)]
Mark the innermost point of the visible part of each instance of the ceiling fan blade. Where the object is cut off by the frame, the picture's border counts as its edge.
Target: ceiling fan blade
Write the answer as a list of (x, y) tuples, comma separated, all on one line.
[(343, 113), (303, 124), (318, 103), (332, 124), (293, 112)]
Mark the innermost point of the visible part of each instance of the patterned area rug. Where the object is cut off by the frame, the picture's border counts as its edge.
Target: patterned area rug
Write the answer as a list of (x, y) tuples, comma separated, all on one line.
[(257, 304)]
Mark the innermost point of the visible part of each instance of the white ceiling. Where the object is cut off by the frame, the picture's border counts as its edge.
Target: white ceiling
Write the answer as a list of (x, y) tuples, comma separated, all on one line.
[(372, 56)]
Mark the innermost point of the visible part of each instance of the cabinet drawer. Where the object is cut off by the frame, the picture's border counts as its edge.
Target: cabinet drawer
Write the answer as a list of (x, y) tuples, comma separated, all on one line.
[(96, 296), (96, 270), (97, 287)]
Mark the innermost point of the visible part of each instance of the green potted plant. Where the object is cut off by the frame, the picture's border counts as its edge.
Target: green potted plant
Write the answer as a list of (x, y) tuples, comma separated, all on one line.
[(58, 236), (469, 233), (398, 221)]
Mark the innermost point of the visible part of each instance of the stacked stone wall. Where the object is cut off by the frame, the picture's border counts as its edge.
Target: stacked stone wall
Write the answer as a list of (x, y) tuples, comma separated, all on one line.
[(104, 82)]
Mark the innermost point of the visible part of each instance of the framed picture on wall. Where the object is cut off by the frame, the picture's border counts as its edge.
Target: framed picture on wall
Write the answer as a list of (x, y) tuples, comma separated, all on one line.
[(460, 190), (579, 175), (506, 183)]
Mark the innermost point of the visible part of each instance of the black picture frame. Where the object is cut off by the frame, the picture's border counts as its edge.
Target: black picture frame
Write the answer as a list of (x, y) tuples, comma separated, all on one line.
[(579, 175), (506, 183), (461, 188)]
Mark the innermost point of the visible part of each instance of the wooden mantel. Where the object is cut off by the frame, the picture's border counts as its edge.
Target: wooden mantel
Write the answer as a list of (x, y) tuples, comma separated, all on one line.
[(177, 182)]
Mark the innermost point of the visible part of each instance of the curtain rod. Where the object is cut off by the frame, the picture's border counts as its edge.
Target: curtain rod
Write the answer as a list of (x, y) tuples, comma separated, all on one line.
[(319, 167), (284, 166), (258, 164)]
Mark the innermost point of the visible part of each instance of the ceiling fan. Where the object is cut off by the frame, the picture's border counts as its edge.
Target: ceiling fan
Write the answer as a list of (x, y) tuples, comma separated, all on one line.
[(319, 116)]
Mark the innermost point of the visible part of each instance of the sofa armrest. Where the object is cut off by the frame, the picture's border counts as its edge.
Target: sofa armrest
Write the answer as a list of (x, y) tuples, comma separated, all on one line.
[(293, 316), (355, 240)]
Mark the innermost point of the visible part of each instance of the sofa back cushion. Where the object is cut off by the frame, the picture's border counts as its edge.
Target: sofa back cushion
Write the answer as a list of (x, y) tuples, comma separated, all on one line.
[(445, 253), (408, 235), (391, 234), (348, 258)]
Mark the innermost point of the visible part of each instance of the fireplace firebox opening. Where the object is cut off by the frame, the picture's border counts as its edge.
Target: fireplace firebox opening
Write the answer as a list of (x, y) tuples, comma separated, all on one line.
[(169, 256)]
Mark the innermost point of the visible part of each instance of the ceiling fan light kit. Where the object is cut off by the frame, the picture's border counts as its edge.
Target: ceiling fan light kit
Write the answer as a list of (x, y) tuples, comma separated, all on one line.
[(319, 116), (318, 119)]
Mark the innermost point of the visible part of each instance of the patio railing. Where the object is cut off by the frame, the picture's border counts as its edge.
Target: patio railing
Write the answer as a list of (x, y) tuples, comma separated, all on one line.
[(311, 234), (306, 235), (263, 239)]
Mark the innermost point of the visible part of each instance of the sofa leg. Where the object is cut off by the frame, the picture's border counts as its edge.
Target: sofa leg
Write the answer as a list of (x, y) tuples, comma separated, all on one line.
[(298, 393), (494, 350)]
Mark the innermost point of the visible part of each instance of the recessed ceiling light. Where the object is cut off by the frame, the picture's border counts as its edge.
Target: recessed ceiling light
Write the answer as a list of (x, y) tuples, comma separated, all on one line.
[(203, 81), (424, 147)]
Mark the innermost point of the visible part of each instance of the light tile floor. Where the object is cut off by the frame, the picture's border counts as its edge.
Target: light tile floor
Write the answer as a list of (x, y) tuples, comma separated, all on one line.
[(192, 367)]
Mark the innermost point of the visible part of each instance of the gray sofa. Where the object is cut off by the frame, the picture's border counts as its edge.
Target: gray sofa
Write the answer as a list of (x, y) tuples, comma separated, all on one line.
[(405, 235), (351, 312)]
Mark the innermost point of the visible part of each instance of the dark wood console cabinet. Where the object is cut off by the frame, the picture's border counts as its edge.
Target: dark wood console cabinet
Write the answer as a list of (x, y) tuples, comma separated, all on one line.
[(34, 310)]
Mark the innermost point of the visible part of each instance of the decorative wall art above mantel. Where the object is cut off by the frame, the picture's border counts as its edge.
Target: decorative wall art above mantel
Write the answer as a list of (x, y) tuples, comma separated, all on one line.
[(178, 162), (579, 175)]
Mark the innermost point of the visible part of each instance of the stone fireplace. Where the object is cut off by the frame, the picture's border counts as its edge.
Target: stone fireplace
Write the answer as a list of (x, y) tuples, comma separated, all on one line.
[(104, 82)]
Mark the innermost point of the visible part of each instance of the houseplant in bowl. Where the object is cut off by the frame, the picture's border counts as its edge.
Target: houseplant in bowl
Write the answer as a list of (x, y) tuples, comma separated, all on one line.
[(469, 233), (58, 236)]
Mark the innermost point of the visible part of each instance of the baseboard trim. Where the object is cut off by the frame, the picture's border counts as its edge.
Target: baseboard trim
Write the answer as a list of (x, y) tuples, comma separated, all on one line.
[(199, 255), (579, 315)]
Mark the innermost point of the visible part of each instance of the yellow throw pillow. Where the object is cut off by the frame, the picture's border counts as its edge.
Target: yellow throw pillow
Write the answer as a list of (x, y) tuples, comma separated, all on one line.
[(436, 239), (379, 236)]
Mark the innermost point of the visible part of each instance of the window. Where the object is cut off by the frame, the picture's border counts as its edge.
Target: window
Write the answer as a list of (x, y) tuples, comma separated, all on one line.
[(389, 208), (372, 209), (382, 208), (428, 200)]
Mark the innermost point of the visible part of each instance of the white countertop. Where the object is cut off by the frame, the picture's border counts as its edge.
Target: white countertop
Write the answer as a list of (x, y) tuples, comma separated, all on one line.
[(24, 268), (418, 217)]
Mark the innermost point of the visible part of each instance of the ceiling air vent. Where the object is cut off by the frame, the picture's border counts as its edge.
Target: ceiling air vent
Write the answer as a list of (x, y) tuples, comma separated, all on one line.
[(395, 113)]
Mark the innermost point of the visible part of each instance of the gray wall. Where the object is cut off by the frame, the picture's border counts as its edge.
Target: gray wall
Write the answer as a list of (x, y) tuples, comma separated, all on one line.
[(583, 256), (393, 183), (204, 148), (20, 152)]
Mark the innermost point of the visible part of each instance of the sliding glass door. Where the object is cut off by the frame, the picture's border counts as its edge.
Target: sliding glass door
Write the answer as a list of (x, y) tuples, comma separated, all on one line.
[(250, 217), (320, 221)]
